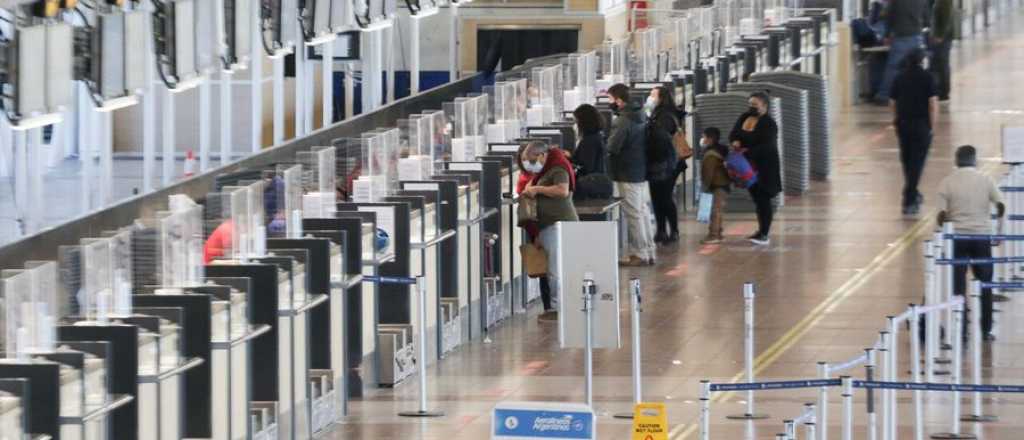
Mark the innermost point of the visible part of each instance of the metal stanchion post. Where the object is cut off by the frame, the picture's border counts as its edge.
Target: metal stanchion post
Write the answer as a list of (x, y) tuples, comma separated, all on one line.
[(823, 402), (847, 407), (748, 355), (915, 370), (892, 376), (589, 290), (1000, 271), (634, 287), (947, 280), (976, 415), (790, 428), (883, 352), (421, 290), (939, 293), (955, 433), (810, 422), (705, 408), (869, 374)]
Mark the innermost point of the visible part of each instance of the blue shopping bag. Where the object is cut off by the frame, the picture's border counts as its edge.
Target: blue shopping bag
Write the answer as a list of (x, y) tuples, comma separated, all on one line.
[(704, 207)]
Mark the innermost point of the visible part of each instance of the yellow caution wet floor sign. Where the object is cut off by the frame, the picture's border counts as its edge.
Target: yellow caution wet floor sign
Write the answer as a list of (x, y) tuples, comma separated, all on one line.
[(650, 422)]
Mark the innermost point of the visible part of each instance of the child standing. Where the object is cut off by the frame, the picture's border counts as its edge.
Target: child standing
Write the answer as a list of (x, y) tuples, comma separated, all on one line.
[(715, 180)]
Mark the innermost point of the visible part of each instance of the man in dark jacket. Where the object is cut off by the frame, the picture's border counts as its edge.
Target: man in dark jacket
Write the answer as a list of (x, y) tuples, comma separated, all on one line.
[(905, 20), (915, 105), (942, 43), (627, 160)]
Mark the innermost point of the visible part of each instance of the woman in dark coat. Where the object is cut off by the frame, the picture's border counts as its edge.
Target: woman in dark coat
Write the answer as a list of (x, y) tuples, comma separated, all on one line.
[(661, 171), (590, 155), (756, 136)]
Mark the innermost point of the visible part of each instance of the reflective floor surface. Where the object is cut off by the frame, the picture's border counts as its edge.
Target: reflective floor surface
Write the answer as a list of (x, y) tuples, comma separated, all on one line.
[(842, 258)]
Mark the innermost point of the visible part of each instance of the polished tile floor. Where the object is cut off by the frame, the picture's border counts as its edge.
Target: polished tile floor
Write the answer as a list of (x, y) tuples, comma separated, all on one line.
[(841, 259)]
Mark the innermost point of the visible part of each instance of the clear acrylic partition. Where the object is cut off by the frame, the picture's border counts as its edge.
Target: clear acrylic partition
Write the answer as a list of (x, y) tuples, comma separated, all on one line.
[(371, 183), (683, 28), (462, 115), (121, 272), (172, 243), (257, 215), (558, 93), (192, 238), (751, 17), (227, 219), (349, 165), (414, 162), (319, 181), (479, 130), (614, 56), (289, 202), (491, 92), (708, 25), (96, 293), (391, 154), (16, 290), (45, 308), (440, 142), (647, 53)]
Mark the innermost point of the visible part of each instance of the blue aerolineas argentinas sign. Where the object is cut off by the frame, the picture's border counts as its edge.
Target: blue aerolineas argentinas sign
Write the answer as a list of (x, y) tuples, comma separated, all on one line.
[(542, 423)]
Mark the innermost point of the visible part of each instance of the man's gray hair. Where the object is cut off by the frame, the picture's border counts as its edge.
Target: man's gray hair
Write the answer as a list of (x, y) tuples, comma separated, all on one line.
[(537, 147)]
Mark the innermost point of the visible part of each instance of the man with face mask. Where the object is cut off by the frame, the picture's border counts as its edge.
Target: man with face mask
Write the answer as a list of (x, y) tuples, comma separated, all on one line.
[(627, 160)]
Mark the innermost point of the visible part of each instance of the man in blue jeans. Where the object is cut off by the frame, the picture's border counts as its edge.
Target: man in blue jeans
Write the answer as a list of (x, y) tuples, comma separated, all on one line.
[(905, 21)]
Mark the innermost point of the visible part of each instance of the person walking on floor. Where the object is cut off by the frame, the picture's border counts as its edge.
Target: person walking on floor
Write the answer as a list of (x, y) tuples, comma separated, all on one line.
[(966, 198), (756, 135), (627, 160), (941, 45), (661, 163), (915, 106), (714, 180), (905, 21), (551, 186)]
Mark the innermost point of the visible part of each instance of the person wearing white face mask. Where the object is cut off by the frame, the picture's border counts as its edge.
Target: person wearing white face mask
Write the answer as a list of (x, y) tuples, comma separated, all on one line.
[(550, 181), (661, 163)]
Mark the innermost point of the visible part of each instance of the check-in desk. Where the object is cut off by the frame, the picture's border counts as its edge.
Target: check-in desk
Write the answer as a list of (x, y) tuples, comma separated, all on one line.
[(491, 304), (395, 303), (326, 351), (270, 301), (513, 276), (468, 237), (60, 395), (440, 256), (601, 210), (358, 302)]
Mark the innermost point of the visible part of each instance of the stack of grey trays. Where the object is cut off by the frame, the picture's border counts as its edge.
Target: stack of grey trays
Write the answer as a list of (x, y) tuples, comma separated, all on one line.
[(819, 115), (793, 129)]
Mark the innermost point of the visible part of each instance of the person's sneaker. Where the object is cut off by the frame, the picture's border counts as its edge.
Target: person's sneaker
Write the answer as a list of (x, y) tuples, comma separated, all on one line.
[(711, 240), (989, 337), (548, 316), (911, 209), (760, 240)]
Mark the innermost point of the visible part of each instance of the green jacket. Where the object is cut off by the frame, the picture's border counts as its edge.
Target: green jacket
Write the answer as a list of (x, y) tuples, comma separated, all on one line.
[(942, 19)]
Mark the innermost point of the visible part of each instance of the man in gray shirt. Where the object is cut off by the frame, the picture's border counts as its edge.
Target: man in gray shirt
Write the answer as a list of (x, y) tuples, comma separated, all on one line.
[(965, 199), (905, 20)]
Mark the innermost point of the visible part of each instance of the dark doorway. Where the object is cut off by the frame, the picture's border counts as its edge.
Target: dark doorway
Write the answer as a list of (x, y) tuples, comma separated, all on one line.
[(511, 47)]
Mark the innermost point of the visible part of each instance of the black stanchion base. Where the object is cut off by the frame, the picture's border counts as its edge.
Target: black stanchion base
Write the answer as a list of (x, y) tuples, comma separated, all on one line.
[(1000, 298), (953, 436), (747, 417), (623, 416), (421, 414), (945, 346), (941, 372), (979, 419), (943, 361)]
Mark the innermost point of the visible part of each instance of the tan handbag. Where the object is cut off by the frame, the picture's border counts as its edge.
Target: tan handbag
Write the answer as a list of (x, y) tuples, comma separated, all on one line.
[(682, 146), (535, 260)]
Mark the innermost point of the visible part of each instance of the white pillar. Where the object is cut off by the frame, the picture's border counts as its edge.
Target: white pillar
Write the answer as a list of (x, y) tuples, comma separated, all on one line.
[(204, 122), (36, 158), (414, 55), (167, 174), (149, 114), (21, 170), (327, 74), (256, 84), (300, 76), (106, 158), (278, 100), (226, 119), (388, 50), (308, 100), (350, 90), (453, 44), (86, 144)]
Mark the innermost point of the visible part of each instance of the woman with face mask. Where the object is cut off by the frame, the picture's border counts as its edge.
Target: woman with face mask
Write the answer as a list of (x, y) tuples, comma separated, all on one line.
[(662, 163), (756, 136), (549, 179)]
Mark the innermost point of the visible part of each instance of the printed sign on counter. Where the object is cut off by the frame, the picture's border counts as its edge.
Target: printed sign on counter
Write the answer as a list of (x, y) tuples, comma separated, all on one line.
[(539, 420)]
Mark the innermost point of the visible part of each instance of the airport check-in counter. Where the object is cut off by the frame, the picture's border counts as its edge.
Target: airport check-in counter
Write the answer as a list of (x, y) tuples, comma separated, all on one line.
[(326, 365), (513, 235), (358, 300), (440, 243), (468, 238), (395, 353), (280, 359), (491, 303)]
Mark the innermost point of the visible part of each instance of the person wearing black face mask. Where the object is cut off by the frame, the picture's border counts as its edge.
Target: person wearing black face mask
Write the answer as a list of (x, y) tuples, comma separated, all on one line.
[(627, 164), (756, 135)]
